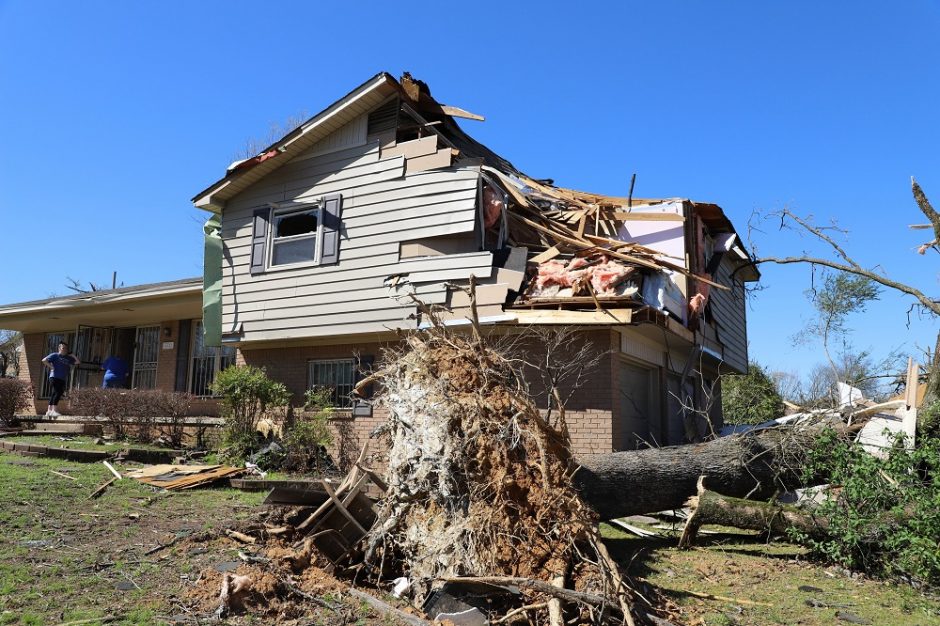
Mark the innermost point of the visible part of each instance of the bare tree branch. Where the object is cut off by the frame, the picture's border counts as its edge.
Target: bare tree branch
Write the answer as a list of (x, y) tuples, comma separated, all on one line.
[(925, 301), (927, 209)]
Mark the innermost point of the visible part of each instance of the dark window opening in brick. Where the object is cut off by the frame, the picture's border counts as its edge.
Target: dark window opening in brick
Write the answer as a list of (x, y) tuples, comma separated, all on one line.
[(336, 375)]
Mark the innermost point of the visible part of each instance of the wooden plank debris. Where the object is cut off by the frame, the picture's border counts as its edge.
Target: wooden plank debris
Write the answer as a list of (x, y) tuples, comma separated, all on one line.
[(100, 490), (548, 255), (338, 525), (458, 112), (630, 528), (175, 477), (640, 216), (113, 471)]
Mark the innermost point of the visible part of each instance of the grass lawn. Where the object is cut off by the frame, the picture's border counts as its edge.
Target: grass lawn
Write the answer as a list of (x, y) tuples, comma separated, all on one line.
[(64, 558), (82, 442), (744, 567)]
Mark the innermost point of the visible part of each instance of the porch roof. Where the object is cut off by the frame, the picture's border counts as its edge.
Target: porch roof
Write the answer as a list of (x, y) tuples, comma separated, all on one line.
[(138, 305)]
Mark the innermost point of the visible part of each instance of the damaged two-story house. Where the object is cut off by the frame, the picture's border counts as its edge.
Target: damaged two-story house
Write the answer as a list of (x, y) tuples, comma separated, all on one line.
[(380, 210)]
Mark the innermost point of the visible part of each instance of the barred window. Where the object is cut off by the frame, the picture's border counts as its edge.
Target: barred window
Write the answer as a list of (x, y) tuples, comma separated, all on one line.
[(337, 375), (206, 362)]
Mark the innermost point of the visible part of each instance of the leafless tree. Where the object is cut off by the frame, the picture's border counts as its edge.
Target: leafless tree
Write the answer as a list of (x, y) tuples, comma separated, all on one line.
[(256, 145), (11, 343), (841, 261), (562, 362)]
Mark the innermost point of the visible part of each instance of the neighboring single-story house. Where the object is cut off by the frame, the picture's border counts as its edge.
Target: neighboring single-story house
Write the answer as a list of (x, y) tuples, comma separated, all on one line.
[(155, 328), (377, 214)]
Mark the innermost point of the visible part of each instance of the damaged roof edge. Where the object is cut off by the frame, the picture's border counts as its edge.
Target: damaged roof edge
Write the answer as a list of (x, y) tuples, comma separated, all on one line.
[(203, 199)]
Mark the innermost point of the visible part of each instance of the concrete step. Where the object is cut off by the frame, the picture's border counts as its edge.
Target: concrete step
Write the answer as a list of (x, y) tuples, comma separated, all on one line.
[(58, 427), (50, 432)]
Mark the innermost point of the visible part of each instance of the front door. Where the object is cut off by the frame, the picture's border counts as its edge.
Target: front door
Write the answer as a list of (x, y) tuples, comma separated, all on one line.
[(92, 347), (146, 349), (639, 405)]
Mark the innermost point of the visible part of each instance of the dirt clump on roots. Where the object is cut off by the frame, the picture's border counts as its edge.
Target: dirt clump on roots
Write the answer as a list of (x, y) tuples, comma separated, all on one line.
[(480, 485)]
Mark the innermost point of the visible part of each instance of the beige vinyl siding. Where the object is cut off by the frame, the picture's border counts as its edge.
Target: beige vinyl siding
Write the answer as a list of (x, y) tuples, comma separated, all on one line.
[(382, 207), (327, 123), (350, 135), (729, 310)]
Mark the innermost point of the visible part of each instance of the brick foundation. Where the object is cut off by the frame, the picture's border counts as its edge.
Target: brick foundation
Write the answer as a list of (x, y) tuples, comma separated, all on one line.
[(591, 411)]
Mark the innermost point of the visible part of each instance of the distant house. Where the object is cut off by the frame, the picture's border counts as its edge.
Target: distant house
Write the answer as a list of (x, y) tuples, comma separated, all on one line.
[(379, 211), (332, 234)]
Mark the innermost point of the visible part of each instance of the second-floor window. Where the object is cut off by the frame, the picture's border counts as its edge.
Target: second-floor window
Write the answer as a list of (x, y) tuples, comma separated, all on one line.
[(300, 234), (295, 235)]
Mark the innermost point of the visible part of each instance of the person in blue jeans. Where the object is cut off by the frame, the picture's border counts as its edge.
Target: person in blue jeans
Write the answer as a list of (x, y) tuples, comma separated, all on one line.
[(60, 365), (115, 371)]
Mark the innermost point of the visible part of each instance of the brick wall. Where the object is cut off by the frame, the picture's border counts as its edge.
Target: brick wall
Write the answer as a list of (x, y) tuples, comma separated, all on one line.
[(289, 366), (31, 367)]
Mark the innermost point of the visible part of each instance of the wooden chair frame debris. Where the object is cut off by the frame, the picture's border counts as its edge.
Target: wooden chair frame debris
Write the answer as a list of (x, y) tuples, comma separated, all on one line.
[(338, 525)]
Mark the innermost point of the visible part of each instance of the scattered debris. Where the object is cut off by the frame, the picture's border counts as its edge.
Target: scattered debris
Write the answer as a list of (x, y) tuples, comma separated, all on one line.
[(852, 618), (113, 471), (630, 528), (241, 537), (100, 490), (63, 475), (173, 477)]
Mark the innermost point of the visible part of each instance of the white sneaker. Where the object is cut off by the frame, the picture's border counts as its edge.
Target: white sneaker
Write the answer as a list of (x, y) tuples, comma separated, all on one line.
[(55, 414)]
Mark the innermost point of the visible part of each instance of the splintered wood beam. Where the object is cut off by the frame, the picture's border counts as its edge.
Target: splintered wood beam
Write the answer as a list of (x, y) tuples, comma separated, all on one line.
[(458, 112), (624, 216), (548, 255), (100, 490)]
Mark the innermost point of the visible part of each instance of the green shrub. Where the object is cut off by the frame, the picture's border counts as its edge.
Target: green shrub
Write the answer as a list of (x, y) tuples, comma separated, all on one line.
[(750, 398), (134, 410), (308, 436), (884, 516), (246, 393), (15, 396), (928, 419)]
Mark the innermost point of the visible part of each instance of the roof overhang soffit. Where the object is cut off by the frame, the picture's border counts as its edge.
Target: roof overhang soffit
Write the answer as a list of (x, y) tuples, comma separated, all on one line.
[(369, 94)]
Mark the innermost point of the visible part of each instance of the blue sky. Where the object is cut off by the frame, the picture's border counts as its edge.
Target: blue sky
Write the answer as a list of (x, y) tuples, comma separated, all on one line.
[(113, 114)]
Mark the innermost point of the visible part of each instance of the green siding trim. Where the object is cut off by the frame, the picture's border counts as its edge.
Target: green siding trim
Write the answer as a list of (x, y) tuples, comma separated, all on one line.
[(212, 283)]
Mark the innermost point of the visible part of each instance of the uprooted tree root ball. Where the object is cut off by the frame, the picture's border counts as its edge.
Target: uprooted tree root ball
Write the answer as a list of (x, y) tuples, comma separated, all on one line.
[(479, 485)]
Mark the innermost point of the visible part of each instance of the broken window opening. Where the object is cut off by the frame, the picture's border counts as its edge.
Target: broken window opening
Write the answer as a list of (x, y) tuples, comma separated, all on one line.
[(494, 225), (295, 236)]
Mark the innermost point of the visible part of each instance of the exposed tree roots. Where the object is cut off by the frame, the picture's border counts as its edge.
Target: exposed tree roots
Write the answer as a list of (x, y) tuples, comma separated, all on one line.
[(479, 485)]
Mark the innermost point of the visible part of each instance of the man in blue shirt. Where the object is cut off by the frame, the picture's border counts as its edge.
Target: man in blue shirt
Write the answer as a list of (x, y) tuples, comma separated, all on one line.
[(60, 365), (115, 371)]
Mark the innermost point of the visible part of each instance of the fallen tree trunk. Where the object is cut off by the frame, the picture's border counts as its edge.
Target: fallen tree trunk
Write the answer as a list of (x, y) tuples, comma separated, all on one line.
[(754, 465), (709, 507)]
